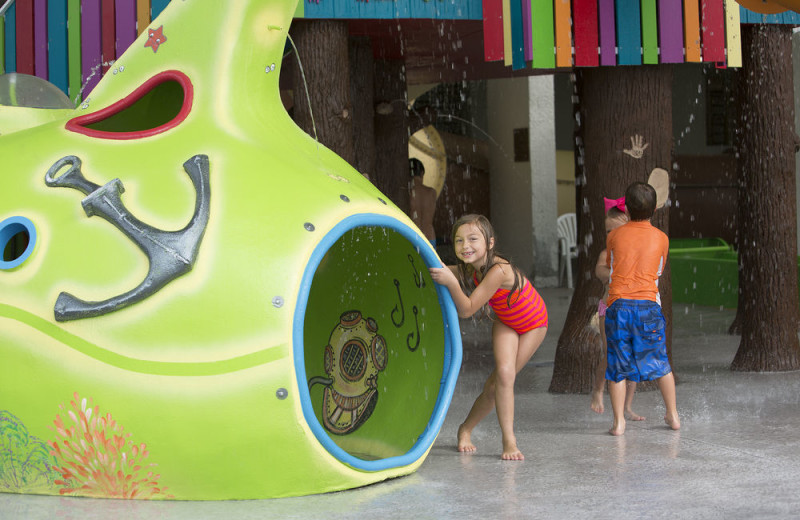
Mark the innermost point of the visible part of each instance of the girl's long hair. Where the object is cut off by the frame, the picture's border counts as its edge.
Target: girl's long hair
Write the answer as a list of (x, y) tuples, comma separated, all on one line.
[(465, 271)]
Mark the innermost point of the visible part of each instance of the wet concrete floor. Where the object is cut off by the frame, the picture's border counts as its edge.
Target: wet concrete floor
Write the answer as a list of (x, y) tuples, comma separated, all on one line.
[(736, 456)]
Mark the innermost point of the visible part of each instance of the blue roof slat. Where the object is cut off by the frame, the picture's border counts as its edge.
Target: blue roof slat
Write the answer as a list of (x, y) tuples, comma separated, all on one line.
[(402, 9), (58, 57), (11, 39), (791, 17), (475, 11), (786, 17), (456, 9), (321, 9), (744, 15), (422, 9), (156, 6), (355, 10), (441, 9), (517, 36), (384, 10), (345, 9), (629, 32)]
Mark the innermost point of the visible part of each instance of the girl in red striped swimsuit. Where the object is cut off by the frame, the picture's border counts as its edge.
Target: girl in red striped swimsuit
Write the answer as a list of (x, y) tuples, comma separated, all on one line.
[(517, 332)]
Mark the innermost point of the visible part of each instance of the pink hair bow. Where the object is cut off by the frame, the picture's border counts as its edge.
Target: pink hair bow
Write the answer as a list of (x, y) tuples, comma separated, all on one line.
[(614, 203)]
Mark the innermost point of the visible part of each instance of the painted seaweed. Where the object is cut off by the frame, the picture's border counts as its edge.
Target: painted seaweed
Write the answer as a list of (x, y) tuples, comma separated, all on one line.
[(97, 458), (26, 465)]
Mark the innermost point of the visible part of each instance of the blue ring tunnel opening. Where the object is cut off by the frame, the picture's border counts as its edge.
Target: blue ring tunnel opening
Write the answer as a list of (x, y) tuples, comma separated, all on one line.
[(17, 241), (377, 346)]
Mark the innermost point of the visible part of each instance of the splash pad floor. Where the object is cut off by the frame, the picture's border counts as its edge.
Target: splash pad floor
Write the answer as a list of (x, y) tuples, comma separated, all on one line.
[(736, 456)]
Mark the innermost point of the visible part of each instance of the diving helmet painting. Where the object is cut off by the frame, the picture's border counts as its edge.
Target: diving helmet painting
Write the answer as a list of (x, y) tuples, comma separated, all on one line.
[(353, 358)]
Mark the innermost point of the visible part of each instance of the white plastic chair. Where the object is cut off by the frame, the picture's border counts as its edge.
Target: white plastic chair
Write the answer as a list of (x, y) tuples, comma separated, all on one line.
[(567, 226)]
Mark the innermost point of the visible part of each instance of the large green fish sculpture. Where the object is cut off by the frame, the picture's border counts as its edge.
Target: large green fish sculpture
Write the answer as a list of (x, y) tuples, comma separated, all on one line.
[(197, 299)]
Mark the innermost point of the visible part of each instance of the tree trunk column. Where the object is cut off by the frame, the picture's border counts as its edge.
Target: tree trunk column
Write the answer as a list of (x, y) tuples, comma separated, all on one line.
[(615, 105), (768, 300), (391, 132), (322, 46), (362, 66)]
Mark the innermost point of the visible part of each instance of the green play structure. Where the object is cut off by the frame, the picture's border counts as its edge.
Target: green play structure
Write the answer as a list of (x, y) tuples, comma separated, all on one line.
[(197, 299)]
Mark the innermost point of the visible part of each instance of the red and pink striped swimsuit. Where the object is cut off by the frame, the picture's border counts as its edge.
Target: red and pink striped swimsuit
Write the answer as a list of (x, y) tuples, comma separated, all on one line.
[(527, 310)]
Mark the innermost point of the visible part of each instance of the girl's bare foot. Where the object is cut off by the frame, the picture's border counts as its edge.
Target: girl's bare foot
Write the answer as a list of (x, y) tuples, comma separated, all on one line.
[(465, 440), (631, 416), (597, 401), (673, 422), (510, 450), (617, 428)]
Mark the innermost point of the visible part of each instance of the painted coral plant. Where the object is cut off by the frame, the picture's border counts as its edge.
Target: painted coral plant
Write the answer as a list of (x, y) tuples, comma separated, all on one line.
[(97, 458)]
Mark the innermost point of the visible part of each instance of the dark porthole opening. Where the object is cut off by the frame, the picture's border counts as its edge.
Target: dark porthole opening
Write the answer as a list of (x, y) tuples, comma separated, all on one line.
[(17, 238), (16, 246)]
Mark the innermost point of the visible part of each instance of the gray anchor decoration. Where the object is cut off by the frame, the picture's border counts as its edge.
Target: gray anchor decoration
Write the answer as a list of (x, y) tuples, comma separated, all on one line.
[(171, 253)]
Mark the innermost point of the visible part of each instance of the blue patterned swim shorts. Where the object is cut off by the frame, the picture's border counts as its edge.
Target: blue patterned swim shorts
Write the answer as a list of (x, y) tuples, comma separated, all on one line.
[(636, 337)]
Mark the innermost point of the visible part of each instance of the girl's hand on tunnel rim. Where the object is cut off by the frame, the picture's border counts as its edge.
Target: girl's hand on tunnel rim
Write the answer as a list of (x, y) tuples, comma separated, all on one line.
[(441, 275)]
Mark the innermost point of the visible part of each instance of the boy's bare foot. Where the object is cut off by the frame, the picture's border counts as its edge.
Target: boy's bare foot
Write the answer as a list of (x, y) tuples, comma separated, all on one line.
[(510, 451), (673, 422), (631, 416), (617, 428), (597, 401), (465, 441)]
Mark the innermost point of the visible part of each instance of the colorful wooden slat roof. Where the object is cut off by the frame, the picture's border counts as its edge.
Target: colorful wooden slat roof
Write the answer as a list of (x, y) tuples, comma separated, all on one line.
[(108, 31), (608, 33), (366, 10), (40, 38), (786, 17), (527, 28), (25, 58), (543, 34), (2, 46), (507, 33), (125, 25), (733, 34), (517, 36), (74, 77), (563, 33), (649, 32), (10, 40), (712, 30), (670, 35), (58, 51), (492, 30), (691, 32), (91, 44), (641, 32), (629, 32), (586, 35), (72, 42)]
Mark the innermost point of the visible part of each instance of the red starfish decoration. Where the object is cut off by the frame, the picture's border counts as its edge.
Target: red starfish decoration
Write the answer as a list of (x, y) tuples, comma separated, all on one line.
[(156, 38)]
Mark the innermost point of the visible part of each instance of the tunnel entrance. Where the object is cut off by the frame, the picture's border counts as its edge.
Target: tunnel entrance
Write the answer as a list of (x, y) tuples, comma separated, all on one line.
[(378, 347)]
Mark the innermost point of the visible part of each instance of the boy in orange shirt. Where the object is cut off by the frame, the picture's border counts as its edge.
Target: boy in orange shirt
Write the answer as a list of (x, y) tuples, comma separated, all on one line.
[(635, 327)]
